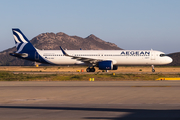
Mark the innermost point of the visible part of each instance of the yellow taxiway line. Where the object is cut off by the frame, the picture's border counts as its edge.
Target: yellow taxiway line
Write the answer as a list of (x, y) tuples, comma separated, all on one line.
[(168, 79)]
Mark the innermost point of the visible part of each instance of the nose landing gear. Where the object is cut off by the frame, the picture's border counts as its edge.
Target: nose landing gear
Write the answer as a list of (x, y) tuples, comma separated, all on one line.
[(153, 70)]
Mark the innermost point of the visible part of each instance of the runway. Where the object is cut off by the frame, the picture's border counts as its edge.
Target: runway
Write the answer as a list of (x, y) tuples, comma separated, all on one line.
[(111, 100)]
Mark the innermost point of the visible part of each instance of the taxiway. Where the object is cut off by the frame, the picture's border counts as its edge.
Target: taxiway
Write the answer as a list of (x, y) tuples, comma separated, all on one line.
[(111, 100)]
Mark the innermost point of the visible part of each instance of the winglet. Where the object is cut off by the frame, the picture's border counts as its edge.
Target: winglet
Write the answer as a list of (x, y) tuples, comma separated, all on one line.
[(63, 51)]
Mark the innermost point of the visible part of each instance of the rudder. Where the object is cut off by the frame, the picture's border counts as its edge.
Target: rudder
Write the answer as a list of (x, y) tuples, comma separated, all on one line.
[(23, 45)]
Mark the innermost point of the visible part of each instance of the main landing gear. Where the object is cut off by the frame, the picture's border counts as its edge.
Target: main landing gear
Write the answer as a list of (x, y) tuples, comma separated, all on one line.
[(153, 70), (90, 69)]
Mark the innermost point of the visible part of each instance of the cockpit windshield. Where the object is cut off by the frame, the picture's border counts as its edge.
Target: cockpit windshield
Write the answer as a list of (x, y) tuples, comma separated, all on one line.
[(162, 55)]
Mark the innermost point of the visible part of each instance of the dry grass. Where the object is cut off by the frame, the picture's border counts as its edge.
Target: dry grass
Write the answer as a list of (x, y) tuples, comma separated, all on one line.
[(6, 73), (75, 68), (9, 76)]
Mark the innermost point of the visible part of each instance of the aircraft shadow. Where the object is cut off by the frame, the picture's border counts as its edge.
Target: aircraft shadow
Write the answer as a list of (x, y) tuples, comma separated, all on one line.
[(134, 114)]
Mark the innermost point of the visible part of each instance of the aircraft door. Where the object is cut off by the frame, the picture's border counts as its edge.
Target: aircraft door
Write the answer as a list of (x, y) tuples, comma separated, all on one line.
[(153, 55), (102, 55), (36, 56)]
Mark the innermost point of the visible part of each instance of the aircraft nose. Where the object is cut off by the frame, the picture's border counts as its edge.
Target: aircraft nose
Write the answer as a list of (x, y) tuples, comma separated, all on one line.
[(169, 60)]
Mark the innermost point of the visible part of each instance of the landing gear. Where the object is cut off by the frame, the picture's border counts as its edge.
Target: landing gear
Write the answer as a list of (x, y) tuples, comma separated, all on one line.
[(90, 69), (153, 70)]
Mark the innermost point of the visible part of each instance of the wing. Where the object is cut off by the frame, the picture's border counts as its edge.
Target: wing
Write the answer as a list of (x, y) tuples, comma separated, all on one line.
[(83, 59)]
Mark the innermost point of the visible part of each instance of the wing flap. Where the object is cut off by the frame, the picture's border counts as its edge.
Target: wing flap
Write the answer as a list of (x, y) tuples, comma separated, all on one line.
[(83, 59)]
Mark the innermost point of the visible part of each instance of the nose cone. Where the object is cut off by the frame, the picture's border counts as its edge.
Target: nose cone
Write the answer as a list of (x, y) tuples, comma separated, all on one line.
[(169, 60)]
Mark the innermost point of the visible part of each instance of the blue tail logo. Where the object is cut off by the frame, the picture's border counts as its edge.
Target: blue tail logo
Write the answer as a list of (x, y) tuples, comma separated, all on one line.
[(25, 49), (21, 41)]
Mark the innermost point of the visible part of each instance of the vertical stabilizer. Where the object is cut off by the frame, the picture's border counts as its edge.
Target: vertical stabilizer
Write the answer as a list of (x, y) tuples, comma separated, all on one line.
[(23, 45)]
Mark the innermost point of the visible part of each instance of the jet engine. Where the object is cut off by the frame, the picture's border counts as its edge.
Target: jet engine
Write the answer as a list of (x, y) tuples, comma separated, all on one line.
[(107, 65)]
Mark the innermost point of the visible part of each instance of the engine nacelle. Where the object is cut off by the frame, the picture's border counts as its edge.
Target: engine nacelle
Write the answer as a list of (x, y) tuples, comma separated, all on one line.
[(105, 65)]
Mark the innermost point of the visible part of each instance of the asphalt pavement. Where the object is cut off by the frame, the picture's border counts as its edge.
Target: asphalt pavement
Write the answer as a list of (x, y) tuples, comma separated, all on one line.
[(106, 100)]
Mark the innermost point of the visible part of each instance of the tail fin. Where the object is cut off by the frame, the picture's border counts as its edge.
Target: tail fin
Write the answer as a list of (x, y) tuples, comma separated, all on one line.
[(23, 45)]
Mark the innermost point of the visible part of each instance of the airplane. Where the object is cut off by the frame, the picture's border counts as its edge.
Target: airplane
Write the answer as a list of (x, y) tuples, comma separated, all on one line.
[(102, 59)]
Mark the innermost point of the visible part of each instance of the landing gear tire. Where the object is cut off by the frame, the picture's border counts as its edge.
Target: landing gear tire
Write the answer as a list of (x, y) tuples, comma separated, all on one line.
[(90, 70), (153, 70)]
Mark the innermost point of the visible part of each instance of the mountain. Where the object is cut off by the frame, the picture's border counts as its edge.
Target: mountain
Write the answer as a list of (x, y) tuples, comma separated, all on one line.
[(176, 59), (52, 41)]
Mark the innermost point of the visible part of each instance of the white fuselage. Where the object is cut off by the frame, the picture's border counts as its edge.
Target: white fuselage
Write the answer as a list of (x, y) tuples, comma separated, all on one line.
[(119, 57)]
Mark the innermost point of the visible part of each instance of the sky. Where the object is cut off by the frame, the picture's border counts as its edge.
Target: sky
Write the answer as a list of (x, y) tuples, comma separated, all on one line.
[(130, 24)]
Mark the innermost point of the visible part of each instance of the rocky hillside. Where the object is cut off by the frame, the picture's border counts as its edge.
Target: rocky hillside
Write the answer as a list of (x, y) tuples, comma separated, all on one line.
[(52, 41), (176, 59)]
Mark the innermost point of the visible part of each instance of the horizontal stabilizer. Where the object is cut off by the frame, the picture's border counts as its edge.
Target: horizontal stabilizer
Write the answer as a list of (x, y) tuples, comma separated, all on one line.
[(19, 54)]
